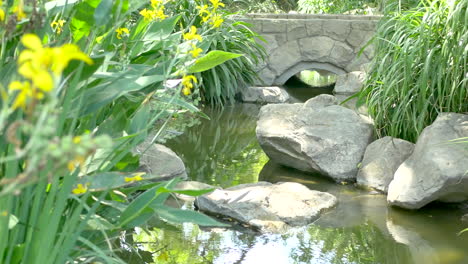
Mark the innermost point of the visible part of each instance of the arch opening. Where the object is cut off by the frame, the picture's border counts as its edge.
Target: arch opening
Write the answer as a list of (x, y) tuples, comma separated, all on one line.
[(306, 80)]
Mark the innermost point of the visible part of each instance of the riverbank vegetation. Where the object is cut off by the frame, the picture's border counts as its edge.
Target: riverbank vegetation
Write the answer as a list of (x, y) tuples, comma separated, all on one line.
[(82, 84), (419, 68)]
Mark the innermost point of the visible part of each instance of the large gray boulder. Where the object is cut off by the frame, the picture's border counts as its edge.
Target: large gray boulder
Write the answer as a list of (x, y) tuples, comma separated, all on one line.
[(264, 95), (317, 136), (269, 207), (438, 167), (381, 159), (160, 161), (349, 83)]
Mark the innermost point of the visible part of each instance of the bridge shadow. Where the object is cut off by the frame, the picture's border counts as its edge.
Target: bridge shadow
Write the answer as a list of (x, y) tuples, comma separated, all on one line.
[(310, 83)]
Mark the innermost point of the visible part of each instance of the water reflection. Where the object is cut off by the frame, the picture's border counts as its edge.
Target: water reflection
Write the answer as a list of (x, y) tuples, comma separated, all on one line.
[(361, 229), (222, 151)]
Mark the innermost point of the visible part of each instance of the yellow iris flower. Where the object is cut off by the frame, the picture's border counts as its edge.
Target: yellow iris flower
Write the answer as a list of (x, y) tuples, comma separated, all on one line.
[(156, 3), (187, 82), (36, 62), (57, 26), (25, 92), (137, 177), (122, 31), (195, 51), (192, 34), (80, 189), (18, 10), (157, 14), (216, 3), (216, 21), (2, 12)]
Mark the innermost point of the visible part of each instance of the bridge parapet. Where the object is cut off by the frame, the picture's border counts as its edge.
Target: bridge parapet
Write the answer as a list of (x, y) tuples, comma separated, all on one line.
[(297, 42)]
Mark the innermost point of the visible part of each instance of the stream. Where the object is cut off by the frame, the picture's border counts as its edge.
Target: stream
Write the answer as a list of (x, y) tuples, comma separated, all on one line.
[(223, 151)]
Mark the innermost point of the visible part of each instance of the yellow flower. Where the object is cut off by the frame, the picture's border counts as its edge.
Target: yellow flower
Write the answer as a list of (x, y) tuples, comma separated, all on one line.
[(80, 188), (195, 51), (4, 213), (147, 14), (216, 3), (18, 10), (36, 62), (203, 9), (188, 80), (192, 34), (77, 162), (76, 140), (57, 26), (122, 31), (2, 12), (186, 91), (25, 92), (206, 18), (156, 3), (216, 21), (137, 177), (159, 14)]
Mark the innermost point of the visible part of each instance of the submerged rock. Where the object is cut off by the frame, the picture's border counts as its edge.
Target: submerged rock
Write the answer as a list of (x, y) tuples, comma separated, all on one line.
[(317, 136), (264, 95), (269, 207), (381, 159), (438, 167), (161, 162)]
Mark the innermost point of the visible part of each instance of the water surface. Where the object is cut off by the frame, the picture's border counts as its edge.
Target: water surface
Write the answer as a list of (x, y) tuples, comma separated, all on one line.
[(223, 151)]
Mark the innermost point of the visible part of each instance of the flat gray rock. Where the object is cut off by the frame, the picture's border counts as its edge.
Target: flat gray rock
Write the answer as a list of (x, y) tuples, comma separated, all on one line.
[(317, 136), (270, 207), (264, 95), (438, 167), (381, 159)]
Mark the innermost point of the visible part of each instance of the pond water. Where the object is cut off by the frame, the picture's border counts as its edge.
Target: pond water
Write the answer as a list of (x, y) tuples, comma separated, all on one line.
[(223, 151)]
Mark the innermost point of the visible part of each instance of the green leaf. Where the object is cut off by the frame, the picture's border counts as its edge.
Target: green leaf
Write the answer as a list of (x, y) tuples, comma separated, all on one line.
[(187, 192), (161, 30), (12, 221), (79, 29), (103, 94), (140, 120), (178, 216), (139, 206), (98, 223), (88, 70), (212, 59), (102, 13), (112, 180)]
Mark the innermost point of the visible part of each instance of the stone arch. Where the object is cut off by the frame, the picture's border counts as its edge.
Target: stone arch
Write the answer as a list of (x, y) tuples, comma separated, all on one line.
[(306, 65)]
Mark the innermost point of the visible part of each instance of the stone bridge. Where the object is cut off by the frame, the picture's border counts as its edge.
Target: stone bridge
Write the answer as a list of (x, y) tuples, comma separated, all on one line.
[(297, 42)]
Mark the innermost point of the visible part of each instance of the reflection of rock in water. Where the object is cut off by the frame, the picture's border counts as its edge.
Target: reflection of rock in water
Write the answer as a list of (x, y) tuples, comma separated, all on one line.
[(421, 251), (425, 232)]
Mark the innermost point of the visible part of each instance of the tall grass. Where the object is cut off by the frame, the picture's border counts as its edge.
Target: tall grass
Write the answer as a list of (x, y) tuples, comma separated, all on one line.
[(419, 69)]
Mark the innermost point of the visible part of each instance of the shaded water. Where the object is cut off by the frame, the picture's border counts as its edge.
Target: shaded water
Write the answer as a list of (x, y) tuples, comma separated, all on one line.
[(300, 92), (223, 151)]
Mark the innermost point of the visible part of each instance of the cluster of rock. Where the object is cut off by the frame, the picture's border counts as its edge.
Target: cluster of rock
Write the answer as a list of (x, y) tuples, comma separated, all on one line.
[(322, 136)]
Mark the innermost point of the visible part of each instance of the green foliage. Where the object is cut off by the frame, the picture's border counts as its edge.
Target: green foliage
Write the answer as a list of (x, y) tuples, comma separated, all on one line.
[(336, 7), (261, 6), (419, 68), (223, 82), (66, 179)]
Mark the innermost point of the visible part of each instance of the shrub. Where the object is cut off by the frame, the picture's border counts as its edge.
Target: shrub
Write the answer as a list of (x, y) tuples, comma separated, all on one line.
[(419, 68)]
